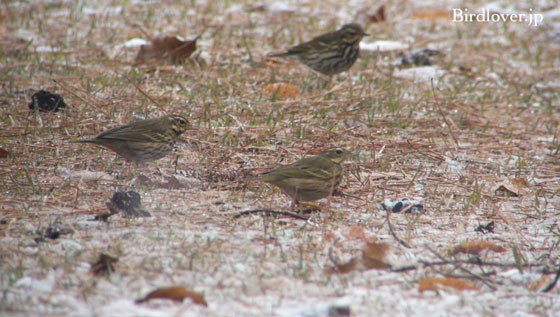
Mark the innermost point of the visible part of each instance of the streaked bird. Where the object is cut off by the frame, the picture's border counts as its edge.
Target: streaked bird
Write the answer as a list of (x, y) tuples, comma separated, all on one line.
[(310, 178), (143, 141), (330, 53)]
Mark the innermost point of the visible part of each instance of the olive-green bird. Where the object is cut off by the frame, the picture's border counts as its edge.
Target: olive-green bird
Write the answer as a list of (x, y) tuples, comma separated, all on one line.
[(330, 53), (143, 141), (310, 178)]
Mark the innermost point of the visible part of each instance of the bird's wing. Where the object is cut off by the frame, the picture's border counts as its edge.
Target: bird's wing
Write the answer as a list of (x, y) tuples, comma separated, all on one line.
[(311, 167), (141, 131)]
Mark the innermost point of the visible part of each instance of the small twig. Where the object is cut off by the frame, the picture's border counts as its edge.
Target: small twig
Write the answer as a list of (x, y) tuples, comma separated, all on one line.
[(474, 275), (443, 115), (331, 255), (143, 31), (341, 194), (142, 92), (457, 262), (399, 240), (269, 212), (63, 86), (553, 284)]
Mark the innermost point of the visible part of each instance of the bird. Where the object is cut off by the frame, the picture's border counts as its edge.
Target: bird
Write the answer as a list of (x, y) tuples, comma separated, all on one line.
[(143, 141), (310, 178), (331, 53)]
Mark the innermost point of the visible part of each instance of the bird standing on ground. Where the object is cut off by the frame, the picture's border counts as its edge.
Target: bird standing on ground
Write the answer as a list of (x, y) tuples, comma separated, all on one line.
[(330, 53), (143, 141), (310, 178)]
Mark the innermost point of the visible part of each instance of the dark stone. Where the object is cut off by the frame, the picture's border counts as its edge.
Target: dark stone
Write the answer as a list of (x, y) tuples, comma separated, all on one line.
[(129, 203), (47, 101)]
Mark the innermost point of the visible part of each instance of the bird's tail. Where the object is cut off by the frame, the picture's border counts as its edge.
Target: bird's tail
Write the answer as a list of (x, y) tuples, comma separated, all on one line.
[(285, 54), (83, 141)]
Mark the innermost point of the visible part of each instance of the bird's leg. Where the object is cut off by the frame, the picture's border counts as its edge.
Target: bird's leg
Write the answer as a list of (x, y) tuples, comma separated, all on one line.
[(295, 201), (295, 204), (331, 192), (175, 162)]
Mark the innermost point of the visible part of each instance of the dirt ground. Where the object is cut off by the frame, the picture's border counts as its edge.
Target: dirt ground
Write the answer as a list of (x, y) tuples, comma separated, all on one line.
[(468, 136)]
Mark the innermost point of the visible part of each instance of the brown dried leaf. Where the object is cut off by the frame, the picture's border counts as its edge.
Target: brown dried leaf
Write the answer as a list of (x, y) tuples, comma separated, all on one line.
[(512, 187), (519, 182), (378, 16), (540, 284), (374, 256), (176, 293), (477, 246), (168, 48), (3, 153), (355, 232), (329, 236), (437, 283), (104, 265), (281, 91), (432, 15), (503, 191), (347, 267)]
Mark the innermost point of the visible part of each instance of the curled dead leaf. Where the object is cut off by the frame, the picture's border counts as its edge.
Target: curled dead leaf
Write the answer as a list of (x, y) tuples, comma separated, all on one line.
[(378, 16), (344, 268), (355, 232), (374, 256), (438, 283), (281, 91), (169, 48), (477, 246), (176, 293), (540, 284), (512, 187)]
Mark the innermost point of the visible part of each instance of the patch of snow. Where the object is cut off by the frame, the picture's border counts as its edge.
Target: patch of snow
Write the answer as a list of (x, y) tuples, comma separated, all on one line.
[(135, 42), (551, 14), (26, 35), (421, 74), (41, 286), (101, 10), (29, 250), (125, 308), (78, 307), (454, 166), (545, 138), (46, 49), (70, 245), (383, 46), (85, 175), (280, 7), (496, 7)]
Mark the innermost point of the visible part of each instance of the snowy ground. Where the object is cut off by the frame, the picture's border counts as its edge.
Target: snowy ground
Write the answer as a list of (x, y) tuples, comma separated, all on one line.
[(473, 138)]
